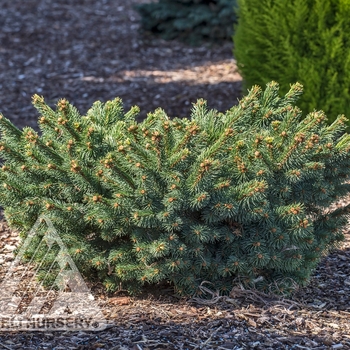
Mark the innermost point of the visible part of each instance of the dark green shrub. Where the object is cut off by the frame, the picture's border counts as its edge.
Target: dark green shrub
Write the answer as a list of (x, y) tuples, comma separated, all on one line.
[(217, 197), (190, 20), (297, 40)]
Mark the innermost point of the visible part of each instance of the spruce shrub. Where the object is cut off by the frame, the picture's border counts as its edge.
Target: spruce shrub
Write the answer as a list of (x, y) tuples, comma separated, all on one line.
[(189, 20), (241, 196), (297, 40)]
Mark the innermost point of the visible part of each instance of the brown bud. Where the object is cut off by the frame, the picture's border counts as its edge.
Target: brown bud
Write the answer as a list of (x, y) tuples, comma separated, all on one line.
[(97, 198), (62, 104), (295, 210), (75, 167), (90, 131), (61, 121), (156, 136), (228, 131), (133, 128), (49, 206), (201, 198)]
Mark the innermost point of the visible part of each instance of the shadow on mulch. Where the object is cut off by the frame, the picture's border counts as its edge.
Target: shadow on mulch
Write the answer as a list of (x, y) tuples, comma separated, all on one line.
[(74, 50)]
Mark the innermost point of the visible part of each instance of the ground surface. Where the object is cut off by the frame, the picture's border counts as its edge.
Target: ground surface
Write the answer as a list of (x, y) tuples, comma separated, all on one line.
[(87, 50)]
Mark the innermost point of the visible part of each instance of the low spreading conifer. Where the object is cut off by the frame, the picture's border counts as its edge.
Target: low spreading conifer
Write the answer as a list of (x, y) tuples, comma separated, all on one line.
[(221, 197)]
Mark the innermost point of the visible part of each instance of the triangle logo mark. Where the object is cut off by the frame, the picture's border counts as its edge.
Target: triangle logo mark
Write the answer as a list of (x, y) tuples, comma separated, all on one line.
[(25, 305)]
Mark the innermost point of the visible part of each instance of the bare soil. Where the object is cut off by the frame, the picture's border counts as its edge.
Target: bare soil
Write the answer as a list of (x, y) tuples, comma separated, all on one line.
[(87, 50)]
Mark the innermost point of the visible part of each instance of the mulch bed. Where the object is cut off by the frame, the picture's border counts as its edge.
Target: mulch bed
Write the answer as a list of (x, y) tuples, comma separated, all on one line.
[(87, 50)]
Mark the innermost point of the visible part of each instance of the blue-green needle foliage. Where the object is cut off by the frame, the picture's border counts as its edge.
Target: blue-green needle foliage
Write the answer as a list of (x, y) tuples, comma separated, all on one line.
[(240, 196), (297, 40)]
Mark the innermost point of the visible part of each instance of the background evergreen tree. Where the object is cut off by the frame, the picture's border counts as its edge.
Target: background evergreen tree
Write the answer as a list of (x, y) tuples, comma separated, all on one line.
[(190, 20), (297, 40), (216, 197)]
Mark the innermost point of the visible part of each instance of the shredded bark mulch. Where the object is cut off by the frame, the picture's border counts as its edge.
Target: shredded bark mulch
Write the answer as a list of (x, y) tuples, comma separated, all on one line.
[(87, 50)]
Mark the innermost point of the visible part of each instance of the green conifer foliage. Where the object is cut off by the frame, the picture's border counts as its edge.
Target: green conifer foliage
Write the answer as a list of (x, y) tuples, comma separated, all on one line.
[(189, 20), (217, 197), (297, 40)]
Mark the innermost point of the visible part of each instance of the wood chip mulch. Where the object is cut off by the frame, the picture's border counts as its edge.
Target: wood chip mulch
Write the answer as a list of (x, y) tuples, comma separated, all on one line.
[(87, 50)]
